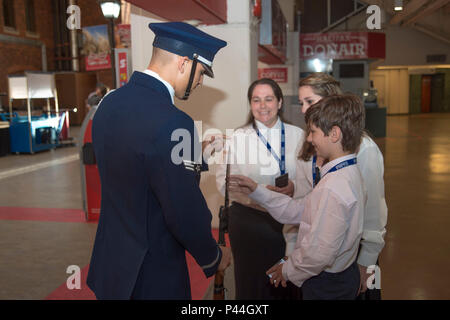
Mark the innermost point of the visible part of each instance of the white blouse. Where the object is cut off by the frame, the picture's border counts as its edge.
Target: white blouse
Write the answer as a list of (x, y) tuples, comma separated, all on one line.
[(249, 156)]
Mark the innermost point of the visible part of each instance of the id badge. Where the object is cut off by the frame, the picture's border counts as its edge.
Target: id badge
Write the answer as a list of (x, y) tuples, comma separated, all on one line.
[(282, 181)]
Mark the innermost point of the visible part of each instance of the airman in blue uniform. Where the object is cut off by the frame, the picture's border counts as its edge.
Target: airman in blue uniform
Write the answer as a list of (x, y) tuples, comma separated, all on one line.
[(152, 209)]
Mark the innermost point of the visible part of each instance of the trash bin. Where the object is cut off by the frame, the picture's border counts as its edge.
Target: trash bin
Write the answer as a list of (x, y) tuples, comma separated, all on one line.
[(376, 121), (4, 138)]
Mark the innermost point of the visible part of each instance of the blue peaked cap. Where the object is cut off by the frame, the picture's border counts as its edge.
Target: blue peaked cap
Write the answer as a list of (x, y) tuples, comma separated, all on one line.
[(185, 40)]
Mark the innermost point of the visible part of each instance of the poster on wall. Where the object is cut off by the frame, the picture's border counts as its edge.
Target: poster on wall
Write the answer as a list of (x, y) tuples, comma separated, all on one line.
[(96, 48), (122, 36)]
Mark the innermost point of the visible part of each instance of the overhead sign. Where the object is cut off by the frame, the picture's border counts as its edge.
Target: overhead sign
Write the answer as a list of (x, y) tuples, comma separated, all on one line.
[(343, 45)]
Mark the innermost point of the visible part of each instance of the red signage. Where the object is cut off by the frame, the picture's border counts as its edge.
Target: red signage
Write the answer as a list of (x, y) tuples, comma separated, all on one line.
[(98, 61), (277, 74), (123, 68), (342, 45), (122, 33)]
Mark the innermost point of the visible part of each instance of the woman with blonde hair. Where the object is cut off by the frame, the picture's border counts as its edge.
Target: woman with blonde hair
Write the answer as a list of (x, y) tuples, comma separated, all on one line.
[(311, 90)]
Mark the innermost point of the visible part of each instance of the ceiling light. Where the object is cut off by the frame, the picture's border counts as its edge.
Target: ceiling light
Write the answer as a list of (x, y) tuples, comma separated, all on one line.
[(318, 65), (110, 9)]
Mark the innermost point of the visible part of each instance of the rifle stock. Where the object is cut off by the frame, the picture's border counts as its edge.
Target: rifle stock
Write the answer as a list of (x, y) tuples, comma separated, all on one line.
[(219, 289)]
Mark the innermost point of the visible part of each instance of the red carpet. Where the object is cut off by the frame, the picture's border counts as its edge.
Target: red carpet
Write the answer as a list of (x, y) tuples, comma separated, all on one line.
[(42, 214), (199, 283)]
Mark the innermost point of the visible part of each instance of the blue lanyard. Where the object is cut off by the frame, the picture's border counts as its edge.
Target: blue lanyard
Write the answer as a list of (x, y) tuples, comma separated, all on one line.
[(315, 172), (337, 167), (282, 161)]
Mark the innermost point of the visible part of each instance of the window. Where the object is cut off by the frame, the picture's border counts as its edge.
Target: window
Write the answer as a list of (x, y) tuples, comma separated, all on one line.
[(8, 14), (351, 70), (30, 17)]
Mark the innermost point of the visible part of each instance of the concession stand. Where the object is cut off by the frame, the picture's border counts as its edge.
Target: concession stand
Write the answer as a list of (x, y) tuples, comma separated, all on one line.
[(347, 56)]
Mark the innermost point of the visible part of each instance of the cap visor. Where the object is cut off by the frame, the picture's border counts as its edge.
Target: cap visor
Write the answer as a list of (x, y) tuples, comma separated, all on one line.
[(208, 70)]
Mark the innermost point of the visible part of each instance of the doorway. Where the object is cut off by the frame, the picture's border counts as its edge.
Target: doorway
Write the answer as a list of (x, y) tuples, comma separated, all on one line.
[(432, 93), (393, 89), (425, 105), (437, 92)]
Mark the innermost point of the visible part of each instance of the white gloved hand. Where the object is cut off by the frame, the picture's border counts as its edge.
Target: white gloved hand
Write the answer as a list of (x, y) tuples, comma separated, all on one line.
[(212, 145)]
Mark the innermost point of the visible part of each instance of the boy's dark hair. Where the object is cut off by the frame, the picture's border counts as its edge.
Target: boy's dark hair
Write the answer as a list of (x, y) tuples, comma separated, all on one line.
[(344, 111)]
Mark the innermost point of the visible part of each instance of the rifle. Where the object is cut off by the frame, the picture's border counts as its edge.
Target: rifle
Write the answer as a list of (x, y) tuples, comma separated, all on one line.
[(219, 289)]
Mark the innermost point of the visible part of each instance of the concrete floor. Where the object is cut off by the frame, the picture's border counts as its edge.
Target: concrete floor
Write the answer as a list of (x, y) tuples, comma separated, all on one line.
[(417, 179), (34, 255)]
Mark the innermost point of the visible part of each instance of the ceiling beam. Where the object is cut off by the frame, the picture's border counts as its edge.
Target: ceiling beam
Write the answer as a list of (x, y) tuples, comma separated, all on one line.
[(379, 3), (343, 19), (386, 5), (409, 9), (432, 33), (432, 7)]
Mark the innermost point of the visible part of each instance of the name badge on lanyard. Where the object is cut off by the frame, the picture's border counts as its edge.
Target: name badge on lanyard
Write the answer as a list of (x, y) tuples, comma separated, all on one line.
[(282, 161), (340, 165)]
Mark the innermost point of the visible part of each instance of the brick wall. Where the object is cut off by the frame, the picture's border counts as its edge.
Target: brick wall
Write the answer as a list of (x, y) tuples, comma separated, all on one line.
[(18, 57)]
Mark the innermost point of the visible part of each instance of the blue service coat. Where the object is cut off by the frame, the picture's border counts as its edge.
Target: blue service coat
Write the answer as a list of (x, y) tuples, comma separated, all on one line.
[(152, 209)]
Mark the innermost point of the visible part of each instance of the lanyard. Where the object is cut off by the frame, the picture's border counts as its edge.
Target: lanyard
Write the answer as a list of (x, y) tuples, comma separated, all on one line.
[(282, 161), (315, 172), (340, 165)]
